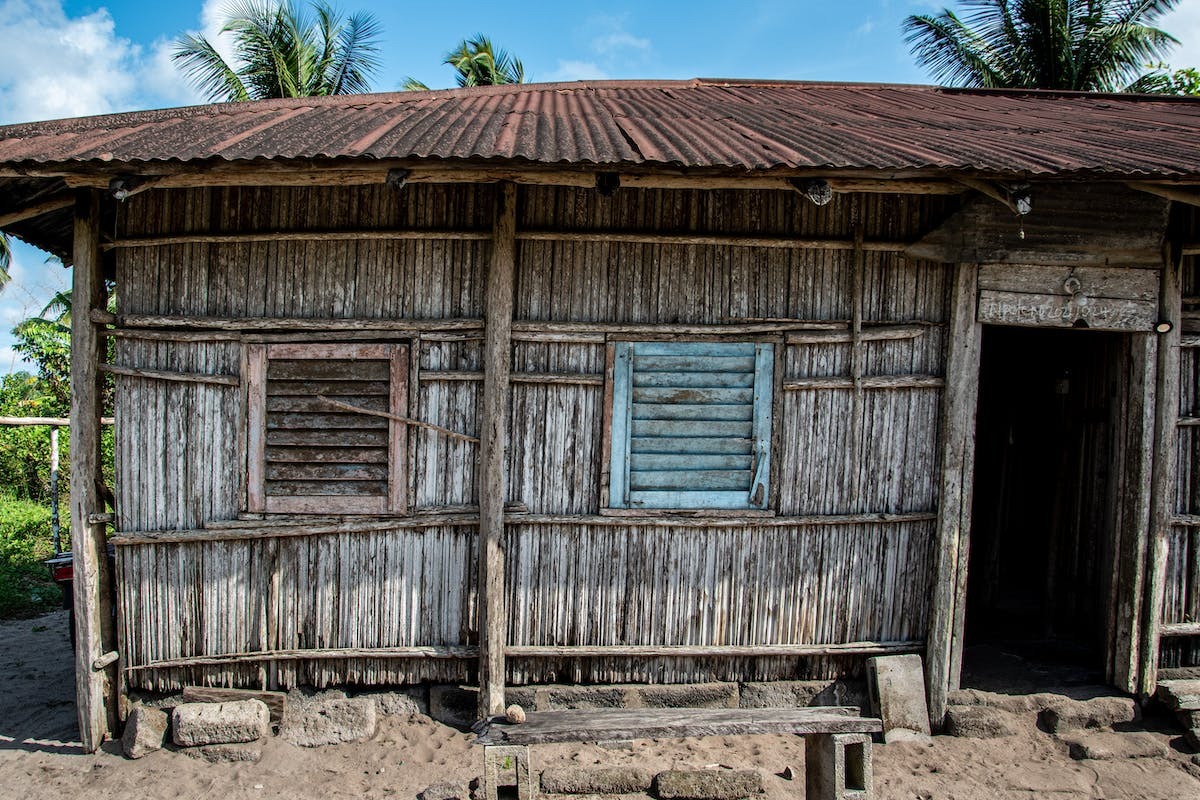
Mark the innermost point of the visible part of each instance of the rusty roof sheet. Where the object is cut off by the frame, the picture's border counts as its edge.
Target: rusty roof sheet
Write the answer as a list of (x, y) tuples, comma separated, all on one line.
[(715, 124)]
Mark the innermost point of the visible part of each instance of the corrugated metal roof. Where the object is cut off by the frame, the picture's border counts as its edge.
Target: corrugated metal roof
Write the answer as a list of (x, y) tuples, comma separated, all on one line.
[(732, 125)]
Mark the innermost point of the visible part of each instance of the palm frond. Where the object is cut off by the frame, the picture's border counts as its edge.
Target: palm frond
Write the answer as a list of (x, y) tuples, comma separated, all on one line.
[(5, 261), (207, 71)]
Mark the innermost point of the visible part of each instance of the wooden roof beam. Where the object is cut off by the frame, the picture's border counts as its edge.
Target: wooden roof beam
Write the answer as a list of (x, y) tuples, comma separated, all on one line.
[(1173, 193), (53, 203), (1015, 199)]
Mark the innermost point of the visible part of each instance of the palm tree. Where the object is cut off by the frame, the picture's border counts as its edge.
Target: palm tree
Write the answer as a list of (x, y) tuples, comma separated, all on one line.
[(5, 261), (478, 63), (1083, 45), (280, 51)]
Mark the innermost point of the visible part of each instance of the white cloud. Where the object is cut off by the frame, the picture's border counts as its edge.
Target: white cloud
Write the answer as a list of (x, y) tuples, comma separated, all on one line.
[(577, 71), (53, 65), (33, 283), (610, 38), (1184, 24)]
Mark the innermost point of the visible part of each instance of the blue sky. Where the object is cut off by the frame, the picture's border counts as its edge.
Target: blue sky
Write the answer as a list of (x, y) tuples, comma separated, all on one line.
[(66, 58)]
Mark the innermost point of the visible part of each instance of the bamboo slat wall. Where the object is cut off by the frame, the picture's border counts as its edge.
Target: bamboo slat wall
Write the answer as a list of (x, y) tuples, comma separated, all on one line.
[(841, 450), (1181, 590)]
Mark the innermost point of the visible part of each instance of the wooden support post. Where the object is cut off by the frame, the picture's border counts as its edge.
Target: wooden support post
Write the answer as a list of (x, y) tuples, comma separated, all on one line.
[(94, 635), (943, 656), (1163, 476), (493, 446)]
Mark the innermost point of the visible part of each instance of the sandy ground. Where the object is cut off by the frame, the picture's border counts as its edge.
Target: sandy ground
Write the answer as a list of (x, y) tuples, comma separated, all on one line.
[(39, 757)]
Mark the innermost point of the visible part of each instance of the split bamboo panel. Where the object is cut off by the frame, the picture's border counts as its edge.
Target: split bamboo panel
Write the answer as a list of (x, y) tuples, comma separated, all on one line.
[(388, 588), (434, 279), (1181, 586), (640, 585), (178, 461)]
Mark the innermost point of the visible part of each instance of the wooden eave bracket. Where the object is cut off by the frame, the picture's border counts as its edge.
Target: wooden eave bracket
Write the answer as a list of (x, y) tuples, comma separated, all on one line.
[(1008, 196), (1171, 192)]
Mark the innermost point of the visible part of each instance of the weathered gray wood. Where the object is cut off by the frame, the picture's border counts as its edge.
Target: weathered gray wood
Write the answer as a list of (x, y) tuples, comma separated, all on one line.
[(416, 423), (621, 724), (703, 651), (276, 702), (96, 690), (53, 422), (709, 240), (553, 379), (53, 203), (1129, 581), (189, 322), (292, 529), (870, 382), (878, 333), (166, 375), (1100, 224), (1064, 311), (493, 479), (1167, 629), (295, 236), (959, 399), (1163, 476), (1117, 283), (314, 653)]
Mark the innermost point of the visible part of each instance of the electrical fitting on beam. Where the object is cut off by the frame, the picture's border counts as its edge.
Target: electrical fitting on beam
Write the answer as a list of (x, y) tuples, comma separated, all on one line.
[(122, 187), (817, 190), (607, 183), (397, 178)]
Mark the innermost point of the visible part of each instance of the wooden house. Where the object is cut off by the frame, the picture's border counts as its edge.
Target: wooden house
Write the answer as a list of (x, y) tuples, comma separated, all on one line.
[(626, 382)]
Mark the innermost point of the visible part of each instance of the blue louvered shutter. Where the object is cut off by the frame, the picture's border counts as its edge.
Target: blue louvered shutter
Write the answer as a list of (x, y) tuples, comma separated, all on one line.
[(691, 425)]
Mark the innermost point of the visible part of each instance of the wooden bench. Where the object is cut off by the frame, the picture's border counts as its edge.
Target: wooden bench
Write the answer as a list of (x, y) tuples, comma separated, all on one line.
[(837, 740)]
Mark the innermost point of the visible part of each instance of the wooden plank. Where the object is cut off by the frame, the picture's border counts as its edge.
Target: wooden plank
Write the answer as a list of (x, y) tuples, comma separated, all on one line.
[(53, 422), (708, 240), (332, 369), (1168, 629), (398, 439), (1115, 283), (96, 690), (686, 395), (255, 365), (716, 650), (1097, 224), (290, 528), (324, 438), (944, 642), (702, 380), (1164, 472), (492, 478), (276, 702), (689, 479), (327, 504), (1140, 454), (168, 375), (282, 420), (656, 427), (1060, 311), (189, 322), (621, 724), (873, 382), (880, 333), (320, 653), (246, 237), (53, 203), (743, 412)]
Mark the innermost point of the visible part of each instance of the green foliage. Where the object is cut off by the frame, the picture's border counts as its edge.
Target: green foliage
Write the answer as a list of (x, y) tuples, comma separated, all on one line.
[(48, 344), (5, 261), (1082, 45), (25, 451), (477, 62), (282, 51), (1164, 80), (25, 584)]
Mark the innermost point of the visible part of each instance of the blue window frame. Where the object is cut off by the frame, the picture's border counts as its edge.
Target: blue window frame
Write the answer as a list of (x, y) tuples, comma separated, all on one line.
[(691, 425)]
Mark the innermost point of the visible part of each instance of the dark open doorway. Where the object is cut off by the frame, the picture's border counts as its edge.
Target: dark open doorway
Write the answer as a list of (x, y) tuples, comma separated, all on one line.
[(1047, 511)]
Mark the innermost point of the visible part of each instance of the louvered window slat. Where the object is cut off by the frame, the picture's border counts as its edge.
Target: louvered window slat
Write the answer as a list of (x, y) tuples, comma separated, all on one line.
[(691, 425), (308, 456)]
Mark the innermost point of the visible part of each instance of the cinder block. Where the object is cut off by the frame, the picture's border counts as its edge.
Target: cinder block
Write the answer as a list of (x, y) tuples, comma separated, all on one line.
[(690, 695), (837, 766), (897, 686)]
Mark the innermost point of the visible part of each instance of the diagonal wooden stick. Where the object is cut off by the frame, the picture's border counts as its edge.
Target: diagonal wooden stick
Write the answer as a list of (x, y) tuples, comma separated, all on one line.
[(416, 423)]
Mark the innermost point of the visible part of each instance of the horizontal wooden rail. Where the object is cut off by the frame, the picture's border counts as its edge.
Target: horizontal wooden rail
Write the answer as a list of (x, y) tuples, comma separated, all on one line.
[(776, 241), (870, 382), (1179, 629), (1186, 520), (578, 378), (294, 323), (54, 422), (165, 375), (1188, 422), (266, 529), (310, 654), (722, 651), (249, 237), (876, 334), (527, 651)]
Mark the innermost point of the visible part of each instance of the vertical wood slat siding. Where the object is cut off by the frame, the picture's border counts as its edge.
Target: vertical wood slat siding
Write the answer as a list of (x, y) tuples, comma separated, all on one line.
[(556, 436), (389, 588), (687, 586)]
